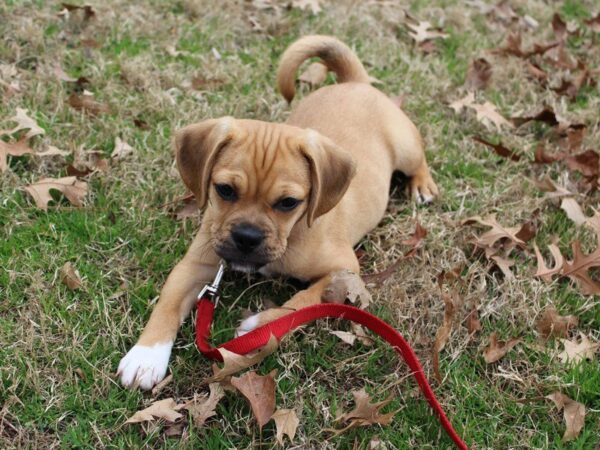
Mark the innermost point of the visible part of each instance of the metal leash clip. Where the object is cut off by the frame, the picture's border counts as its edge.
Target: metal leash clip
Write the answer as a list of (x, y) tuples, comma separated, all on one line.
[(212, 290)]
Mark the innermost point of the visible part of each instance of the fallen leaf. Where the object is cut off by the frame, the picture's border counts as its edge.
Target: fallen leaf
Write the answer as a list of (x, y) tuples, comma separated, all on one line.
[(497, 233), (201, 409), (552, 324), (361, 334), (587, 163), (365, 413), (574, 212), (314, 75), (546, 115), (497, 349), (344, 285), (307, 5), (560, 57), (121, 150), (24, 122), (594, 23), (70, 276), (18, 148), (286, 422), (87, 10), (51, 150), (459, 105), (504, 264), (260, 393), (575, 352), (560, 27), (345, 336), (500, 149), (86, 103), (424, 31), (472, 323), (543, 271), (536, 72), (574, 414), (513, 44), (488, 115), (233, 362), (74, 190), (161, 409), (478, 74), (541, 157), (443, 333)]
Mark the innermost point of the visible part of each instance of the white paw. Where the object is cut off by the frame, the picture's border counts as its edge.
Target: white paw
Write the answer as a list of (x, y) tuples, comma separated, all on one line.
[(247, 325), (145, 366), (424, 199)]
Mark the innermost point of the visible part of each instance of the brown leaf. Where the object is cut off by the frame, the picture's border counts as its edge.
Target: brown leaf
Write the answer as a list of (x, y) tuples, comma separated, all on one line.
[(560, 27), (233, 362), (459, 105), (576, 352), (86, 103), (574, 212), (365, 413), (559, 57), (500, 149), (24, 122), (472, 323), (314, 75), (574, 414), (513, 47), (18, 148), (443, 333), (361, 334), (497, 349), (541, 157), (70, 276), (201, 409), (286, 422), (260, 393), (51, 150), (487, 114), (424, 31), (344, 285), (497, 232), (571, 137), (536, 72), (121, 150), (161, 409), (546, 115), (87, 10), (478, 74), (345, 336), (552, 324), (594, 23), (74, 190), (587, 163), (504, 264), (543, 271), (307, 5)]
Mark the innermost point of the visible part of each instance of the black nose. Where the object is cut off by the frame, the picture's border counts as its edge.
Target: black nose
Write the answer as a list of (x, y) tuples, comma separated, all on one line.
[(247, 237)]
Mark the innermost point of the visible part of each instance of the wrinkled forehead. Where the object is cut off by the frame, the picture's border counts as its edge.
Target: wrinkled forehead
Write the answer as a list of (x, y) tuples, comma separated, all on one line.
[(262, 161)]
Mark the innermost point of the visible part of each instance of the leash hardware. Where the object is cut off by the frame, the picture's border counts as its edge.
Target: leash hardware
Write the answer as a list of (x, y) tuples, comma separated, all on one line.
[(211, 291)]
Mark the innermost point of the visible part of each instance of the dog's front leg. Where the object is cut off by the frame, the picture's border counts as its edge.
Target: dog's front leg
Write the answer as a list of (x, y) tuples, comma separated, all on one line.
[(147, 361)]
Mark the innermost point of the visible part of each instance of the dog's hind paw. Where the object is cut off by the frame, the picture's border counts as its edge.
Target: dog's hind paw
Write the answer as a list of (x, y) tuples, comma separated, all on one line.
[(422, 187), (145, 366)]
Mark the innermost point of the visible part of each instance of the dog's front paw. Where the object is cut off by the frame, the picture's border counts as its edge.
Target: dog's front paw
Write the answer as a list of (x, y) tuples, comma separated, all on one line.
[(423, 188), (144, 366)]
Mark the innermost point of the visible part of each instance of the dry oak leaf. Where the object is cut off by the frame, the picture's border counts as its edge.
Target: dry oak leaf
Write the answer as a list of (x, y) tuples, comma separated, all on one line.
[(498, 232), (161, 409), (365, 413), (24, 122), (460, 104), (345, 284), (314, 75), (543, 271), (233, 362), (504, 264), (424, 31), (345, 336), (86, 103), (497, 349), (204, 408), (478, 74), (73, 189), (500, 149), (588, 163), (18, 148), (259, 390), (472, 323), (443, 333), (575, 352), (286, 422), (552, 324), (574, 414), (70, 276), (121, 150), (307, 5), (488, 114), (574, 212)]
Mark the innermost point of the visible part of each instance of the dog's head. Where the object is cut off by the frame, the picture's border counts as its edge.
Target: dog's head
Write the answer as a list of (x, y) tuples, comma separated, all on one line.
[(259, 180)]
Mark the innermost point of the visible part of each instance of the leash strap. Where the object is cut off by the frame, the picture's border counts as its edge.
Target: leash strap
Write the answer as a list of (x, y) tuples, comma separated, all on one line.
[(260, 336)]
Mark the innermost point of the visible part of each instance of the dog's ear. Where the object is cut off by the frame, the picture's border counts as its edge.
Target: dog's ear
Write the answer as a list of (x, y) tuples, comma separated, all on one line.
[(331, 170), (196, 149)]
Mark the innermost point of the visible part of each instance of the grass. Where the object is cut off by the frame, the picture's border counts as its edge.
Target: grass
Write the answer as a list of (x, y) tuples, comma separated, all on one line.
[(61, 347)]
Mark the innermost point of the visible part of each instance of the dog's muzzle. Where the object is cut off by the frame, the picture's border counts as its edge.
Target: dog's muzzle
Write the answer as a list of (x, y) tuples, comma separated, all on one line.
[(245, 248)]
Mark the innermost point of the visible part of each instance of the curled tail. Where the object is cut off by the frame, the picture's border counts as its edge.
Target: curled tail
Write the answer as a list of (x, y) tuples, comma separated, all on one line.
[(334, 53)]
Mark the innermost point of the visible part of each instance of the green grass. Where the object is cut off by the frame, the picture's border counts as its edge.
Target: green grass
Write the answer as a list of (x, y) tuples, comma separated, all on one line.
[(61, 348)]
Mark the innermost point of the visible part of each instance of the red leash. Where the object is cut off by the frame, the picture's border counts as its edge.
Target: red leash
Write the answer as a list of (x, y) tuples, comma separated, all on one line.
[(259, 337)]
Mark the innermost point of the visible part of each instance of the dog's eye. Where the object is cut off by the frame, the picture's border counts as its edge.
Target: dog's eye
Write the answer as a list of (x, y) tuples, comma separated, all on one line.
[(286, 204), (226, 192)]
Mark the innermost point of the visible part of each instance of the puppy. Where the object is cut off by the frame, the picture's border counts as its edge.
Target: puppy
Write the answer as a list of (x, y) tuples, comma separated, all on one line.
[(285, 199)]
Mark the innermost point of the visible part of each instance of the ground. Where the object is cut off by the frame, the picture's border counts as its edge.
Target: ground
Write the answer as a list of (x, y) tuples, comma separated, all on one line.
[(163, 65)]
